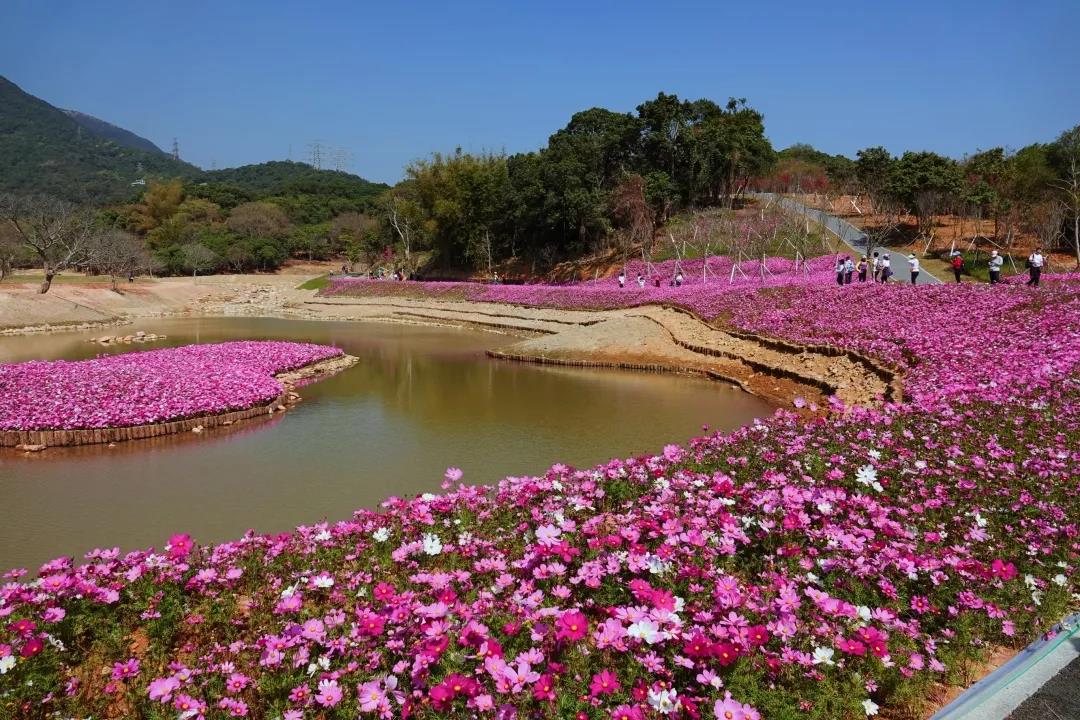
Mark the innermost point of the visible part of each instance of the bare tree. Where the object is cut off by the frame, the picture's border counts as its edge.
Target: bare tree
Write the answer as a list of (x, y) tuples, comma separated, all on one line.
[(59, 234), (120, 254), (198, 257), (404, 217), (634, 216)]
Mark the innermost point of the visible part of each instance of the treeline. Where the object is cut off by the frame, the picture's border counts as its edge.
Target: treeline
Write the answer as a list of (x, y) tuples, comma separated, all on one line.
[(599, 178), (252, 218), (1034, 190)]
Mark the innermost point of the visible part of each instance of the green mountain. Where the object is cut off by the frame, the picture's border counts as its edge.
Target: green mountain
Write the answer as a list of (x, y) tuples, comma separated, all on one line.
[(308, 195), (108, 131), (45, 150)]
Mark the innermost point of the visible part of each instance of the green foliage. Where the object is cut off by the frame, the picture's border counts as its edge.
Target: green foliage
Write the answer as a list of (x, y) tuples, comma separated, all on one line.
[(475, 210), (44, 150)]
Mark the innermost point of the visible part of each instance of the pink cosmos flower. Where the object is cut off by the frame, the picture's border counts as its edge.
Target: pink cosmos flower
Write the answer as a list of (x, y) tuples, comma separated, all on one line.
[(161, 689), (329, 693), (572, 626), (604, 682)]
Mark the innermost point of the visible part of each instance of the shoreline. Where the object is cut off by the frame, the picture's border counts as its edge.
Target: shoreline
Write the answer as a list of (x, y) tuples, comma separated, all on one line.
[(39, 440), (648, 337)]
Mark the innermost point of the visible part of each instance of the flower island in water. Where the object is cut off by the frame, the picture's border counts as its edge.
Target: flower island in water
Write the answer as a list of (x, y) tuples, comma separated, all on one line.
[(146, 394), (820, 568)]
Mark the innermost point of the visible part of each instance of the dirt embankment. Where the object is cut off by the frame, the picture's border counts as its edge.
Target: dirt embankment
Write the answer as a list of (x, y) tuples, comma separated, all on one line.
[(646, 338)]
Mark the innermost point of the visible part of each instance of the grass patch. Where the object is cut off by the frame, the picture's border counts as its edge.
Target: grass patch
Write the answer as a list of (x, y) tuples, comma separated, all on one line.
[(316, 283)]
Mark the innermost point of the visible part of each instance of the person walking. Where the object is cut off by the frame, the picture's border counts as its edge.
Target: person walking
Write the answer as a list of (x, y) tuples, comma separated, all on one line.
[(886, 268), (862, 267), (913, 266), (957, 263), (1035, 263), (622, 279), (678, 279), (640, 281), (839, 271), (849, 270), (995, 264)]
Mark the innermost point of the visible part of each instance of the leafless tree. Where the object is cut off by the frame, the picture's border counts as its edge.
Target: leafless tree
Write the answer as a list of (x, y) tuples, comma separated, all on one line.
[(634, 216), (198, 258), (120, 254), (60, 235)]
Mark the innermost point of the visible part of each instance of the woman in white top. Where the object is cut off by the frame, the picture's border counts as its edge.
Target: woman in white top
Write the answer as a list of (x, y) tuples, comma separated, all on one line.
[(1035, 266), (913, 264)]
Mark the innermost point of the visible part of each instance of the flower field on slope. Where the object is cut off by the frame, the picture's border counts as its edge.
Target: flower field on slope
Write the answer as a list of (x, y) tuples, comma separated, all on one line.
[(819, 568), (154, 386)]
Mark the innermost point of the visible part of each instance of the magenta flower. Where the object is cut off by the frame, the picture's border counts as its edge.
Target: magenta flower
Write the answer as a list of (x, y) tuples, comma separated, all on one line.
[(329, 693), (572, 626)]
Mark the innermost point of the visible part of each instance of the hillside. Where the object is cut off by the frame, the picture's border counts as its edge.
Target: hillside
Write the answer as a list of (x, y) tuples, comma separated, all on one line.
[(306, 194), (44, 150), (281, 177), (108, 131)]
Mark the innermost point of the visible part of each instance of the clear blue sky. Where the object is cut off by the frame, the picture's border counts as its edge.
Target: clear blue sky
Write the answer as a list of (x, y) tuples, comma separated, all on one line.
[(239, 81)]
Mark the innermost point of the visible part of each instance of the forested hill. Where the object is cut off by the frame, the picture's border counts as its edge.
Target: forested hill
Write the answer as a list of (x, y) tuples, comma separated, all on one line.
[(281, 177), (306, 194), (108, 131), (44, 150)]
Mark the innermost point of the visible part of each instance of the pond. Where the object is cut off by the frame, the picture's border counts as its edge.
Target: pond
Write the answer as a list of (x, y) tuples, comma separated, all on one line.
[(420, 399)]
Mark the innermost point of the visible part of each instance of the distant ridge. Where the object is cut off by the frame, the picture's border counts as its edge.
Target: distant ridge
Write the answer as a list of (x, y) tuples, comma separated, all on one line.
[(108, 131), (46, 150)]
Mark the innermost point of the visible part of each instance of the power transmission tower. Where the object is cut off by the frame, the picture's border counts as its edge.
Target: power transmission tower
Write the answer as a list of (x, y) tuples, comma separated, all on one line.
[(175, 149), (342, 159), (315, 153)]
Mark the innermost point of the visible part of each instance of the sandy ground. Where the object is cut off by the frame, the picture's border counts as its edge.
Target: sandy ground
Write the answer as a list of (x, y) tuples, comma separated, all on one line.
[(648, 336)]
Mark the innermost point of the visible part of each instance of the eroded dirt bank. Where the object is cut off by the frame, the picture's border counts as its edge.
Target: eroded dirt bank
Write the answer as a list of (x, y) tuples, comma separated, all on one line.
[(653, 338)]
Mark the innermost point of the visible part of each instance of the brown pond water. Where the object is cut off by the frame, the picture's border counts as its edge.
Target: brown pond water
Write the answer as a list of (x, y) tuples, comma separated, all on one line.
[(421, 399)]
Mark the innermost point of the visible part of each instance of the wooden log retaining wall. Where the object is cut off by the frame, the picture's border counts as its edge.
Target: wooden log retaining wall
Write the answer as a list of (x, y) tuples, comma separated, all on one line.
[(92, 436)]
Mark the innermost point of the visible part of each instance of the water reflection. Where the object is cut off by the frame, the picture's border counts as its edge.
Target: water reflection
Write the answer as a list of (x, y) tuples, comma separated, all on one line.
[(419, 400)]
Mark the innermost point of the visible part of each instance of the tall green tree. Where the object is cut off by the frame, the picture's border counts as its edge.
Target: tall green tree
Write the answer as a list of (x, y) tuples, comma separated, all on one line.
[(924, 181)]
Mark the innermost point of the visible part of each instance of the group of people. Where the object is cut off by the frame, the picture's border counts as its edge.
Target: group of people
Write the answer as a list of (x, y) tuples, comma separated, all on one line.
[(879, 268), (676, 280)]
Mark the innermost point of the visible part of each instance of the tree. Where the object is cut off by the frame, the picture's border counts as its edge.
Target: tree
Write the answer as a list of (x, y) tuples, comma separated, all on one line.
[(58, 233), (1065, 156), (159, 203), (120, 253), (12, 251), (873, 168), (924, 180), (632, 213), (403, 215), (259, 220), (198, 257)]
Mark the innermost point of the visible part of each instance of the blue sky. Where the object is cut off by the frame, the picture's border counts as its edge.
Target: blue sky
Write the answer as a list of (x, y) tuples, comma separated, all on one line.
[(239, 81)]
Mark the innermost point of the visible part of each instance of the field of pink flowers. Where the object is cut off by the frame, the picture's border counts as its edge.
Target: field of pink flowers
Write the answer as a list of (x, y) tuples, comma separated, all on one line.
[(153, 386), (828, 568)]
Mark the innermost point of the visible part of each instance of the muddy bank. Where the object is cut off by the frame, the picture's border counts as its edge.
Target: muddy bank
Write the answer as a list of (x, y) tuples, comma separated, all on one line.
[(657, 338)]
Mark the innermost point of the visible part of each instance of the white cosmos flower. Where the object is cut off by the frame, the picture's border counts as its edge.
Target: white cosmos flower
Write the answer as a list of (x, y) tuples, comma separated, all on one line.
[(432, 544), (869, 707), (381, 535), (6, 663), (1060, 579), (824, 656), (664, 701), (645, 630)]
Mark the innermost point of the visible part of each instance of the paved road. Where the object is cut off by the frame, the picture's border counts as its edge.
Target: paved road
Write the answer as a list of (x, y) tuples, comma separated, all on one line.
[(1059, 698), (852, 237)]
